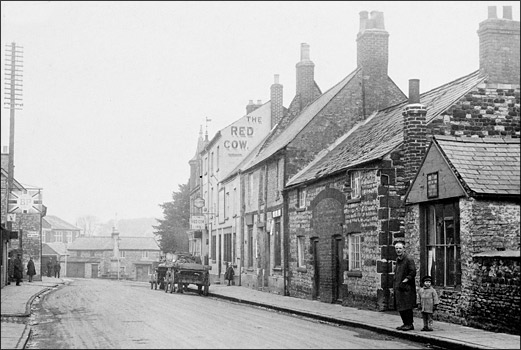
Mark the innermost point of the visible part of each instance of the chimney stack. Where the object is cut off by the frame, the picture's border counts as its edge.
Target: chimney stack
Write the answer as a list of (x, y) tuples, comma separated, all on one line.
[(372, 58), (277, 108), (499, 47), (305, 77), (414, 132), (250, 107)]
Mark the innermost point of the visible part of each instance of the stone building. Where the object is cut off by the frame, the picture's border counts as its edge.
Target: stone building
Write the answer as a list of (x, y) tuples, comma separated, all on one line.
[(217, 241), (104, 256), (297, 139), (341, 233), (25, 207)]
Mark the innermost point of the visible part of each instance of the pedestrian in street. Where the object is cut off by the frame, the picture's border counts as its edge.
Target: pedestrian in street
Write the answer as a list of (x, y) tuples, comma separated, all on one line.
[(18, 269), (57, 269), (404, 287), (31, 271), (229, 273), (10, 270), (153, 280), (427, 302), (49, 267)]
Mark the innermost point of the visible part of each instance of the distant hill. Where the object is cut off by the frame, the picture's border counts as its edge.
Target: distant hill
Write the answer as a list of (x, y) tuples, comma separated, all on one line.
[(130, 227)]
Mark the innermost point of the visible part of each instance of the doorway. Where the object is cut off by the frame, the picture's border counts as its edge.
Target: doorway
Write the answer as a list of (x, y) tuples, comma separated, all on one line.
[(316, 269), (338, 270)]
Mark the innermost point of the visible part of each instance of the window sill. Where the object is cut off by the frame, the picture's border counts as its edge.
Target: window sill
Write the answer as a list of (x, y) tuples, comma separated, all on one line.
[(299, 209), (354, 200), (302, 269), (357, 274)]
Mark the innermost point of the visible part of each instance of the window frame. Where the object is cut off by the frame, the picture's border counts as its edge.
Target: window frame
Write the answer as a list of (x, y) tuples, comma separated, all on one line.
[(301, 246), (442, 260), (356, 184), (355, 251)]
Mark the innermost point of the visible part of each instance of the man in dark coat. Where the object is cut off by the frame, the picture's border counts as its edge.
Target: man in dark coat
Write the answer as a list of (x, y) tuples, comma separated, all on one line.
[(404, 287), (57, 269), (49, 267), (18, 269), (31, 271)]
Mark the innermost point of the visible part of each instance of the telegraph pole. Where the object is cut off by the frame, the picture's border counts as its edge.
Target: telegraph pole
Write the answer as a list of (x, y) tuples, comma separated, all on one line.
[(13, 101)]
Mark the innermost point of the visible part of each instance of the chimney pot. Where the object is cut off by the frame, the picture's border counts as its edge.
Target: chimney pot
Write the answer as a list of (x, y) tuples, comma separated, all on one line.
[(364, 15), (259, 102), (304, 52), (492, 12), (276, 78), (4, 150), (507, 12), (378, 19), (414, 91), (250, 102)]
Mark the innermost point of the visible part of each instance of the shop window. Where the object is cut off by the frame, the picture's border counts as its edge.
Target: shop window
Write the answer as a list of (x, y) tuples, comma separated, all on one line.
[(443, 249), (228, 247)]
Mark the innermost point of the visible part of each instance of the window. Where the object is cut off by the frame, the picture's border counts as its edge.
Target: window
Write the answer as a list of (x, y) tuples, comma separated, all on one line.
[(144, 254), (261, 186), (250, 245), (217, 159), (227, 211), (443, 243), (432, 185), (205, 165), (228, 247), (69, 237), (58, 236), (250, 188), (92, 253), (211, 163), (213, 248), (78, 253), (277, 244), (221, 206), (44, 237), (301, 198), (300, 251), (356, 185), (122, 254), (355, 256)]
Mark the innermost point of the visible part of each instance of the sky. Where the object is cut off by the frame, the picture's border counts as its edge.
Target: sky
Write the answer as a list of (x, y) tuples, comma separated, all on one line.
[(115, 93)]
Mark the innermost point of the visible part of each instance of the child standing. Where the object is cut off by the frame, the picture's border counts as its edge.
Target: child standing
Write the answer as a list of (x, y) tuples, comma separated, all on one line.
[(229, 273), (428, 302)]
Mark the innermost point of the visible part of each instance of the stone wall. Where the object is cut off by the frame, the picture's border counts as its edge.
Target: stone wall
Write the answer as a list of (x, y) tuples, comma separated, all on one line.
[(494, 294)]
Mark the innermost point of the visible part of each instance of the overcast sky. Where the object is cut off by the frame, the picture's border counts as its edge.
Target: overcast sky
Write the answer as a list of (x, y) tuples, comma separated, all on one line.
[(114, 93)]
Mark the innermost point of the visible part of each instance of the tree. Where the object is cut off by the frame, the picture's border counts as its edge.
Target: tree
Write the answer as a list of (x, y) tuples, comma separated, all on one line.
[(171, 230), (88, 224)]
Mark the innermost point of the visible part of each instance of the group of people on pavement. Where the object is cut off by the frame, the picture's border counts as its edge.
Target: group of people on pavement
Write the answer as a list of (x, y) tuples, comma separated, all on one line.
[(53, 266), (405, 295), (16, 269)]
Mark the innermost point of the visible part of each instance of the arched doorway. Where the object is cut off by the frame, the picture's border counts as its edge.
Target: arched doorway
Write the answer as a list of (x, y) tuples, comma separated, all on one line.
[(328, 243)]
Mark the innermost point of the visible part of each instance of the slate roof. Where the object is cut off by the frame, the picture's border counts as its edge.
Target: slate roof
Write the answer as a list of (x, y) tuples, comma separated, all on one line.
[(54, 248), (381, 132), (486, 165), (107, 243), (59, 224), (298, 123)]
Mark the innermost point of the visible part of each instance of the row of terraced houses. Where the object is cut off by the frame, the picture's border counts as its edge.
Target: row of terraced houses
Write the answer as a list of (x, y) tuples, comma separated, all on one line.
[(308, 200)]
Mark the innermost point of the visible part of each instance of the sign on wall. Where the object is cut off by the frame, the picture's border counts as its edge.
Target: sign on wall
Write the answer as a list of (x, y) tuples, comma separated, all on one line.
[(197, 222), (25, 201)]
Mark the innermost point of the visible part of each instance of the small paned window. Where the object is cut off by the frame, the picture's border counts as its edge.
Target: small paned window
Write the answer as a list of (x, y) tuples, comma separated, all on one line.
[(300, 251), (144, 254), (356, 185), (432, 185), (301, 198), (355, 251)]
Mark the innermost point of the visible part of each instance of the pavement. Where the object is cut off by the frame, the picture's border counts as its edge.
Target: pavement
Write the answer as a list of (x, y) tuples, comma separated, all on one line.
[(17, 300)]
